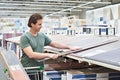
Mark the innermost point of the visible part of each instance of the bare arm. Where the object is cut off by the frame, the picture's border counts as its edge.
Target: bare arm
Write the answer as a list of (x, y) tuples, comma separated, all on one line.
[(63, 46), (35, 55), (59, 45)]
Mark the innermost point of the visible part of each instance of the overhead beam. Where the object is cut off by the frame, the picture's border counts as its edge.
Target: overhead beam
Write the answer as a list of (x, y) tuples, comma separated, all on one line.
[(30, 12), (70, 4), (68, 9), (22, 13), (36, 9), (24, 4), (28, 8), (46, 2), (48, 7), (88, 3)]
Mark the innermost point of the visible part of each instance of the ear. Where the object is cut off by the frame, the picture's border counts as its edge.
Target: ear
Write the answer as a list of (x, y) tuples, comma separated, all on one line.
[(32, 24)]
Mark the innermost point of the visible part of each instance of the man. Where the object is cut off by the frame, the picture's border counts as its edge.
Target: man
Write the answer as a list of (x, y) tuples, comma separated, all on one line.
[(33, 42)]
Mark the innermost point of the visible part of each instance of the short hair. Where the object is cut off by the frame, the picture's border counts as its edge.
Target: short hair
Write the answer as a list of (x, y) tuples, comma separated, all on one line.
[(33, 19)]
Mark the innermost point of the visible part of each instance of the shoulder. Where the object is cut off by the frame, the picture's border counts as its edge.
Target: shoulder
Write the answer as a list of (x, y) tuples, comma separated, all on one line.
[(24, 36), (41, 34)]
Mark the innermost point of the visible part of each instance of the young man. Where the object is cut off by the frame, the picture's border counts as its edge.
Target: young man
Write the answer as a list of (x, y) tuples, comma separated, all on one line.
[(33, 42)]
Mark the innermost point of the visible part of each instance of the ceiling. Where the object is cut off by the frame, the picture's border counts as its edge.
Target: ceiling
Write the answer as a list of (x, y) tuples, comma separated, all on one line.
[(24, 8)]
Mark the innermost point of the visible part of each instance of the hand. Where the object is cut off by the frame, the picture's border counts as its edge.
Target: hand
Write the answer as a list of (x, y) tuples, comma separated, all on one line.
[(53, 56), (75, 48)]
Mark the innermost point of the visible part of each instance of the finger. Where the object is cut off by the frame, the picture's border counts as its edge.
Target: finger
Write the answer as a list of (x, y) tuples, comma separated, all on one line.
[(55, 56)]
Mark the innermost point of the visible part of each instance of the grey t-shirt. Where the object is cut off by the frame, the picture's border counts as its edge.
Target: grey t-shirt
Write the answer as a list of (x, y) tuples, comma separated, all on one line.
[(37, 43)]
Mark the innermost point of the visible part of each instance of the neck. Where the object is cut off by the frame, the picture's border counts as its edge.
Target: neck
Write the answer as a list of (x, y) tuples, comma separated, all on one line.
[(34, 33)]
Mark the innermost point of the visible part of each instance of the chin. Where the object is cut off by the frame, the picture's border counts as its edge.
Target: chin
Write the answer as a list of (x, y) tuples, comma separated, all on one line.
[(38, 31)]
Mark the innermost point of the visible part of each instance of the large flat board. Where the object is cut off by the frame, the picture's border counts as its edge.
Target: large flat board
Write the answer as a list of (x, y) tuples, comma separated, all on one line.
[(106, 56), (13, 65), (85, 43)]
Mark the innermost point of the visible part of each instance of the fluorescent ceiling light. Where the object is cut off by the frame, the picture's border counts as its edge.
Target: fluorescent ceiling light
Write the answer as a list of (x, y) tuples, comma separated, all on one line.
[(75, 10), (101, 2), (87, 7)]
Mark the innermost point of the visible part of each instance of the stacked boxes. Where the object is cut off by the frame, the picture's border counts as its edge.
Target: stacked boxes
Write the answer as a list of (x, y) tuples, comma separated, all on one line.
[(93, 74), (104, 31), (83, 74), (53, 75)]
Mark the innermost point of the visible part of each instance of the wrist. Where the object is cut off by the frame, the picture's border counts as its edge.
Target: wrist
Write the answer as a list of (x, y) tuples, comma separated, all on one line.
[(48, 55)]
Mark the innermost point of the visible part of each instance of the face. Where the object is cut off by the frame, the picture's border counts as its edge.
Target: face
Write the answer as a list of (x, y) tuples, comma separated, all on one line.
[(36, 27)]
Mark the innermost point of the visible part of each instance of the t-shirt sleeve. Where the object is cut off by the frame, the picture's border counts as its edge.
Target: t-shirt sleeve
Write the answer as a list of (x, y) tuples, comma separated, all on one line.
[(24, 42), (47, 40)]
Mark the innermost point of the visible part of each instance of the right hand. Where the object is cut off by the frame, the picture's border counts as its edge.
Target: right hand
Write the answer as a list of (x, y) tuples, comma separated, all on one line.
[(53, 56)]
